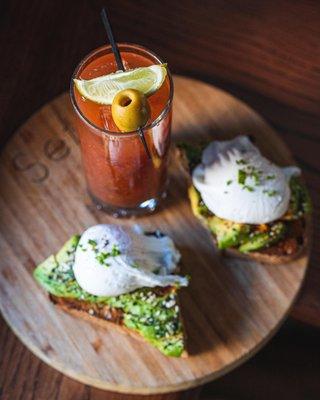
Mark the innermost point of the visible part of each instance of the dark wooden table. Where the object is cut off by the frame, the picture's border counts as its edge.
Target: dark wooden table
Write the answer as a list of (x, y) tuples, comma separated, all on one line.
[(266, 52)]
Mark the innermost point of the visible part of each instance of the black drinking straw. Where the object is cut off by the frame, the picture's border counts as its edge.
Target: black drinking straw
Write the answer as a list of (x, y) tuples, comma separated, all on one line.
[(120, 66), (108, 28)]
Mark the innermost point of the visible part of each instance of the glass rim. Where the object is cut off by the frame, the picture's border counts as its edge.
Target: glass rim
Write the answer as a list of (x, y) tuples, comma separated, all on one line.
[(161, 116)]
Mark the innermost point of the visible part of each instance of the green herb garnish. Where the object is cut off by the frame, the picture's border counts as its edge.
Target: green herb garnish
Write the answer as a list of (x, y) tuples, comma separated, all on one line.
[(92, 243), (270, 193), (249, 188), (241, 162), (242, 176), (115, 251), (256, 176), (103, 256)]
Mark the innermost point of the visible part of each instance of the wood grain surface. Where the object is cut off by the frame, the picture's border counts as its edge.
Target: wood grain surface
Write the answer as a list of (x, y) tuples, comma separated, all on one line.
[(231, 308), (265, 52)]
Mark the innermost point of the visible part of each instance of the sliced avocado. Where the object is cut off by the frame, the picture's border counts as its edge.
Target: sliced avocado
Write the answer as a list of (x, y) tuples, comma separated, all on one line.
[(66, 253), (155, 316), (153, 313), (232, 234), (56, 278), (300, 201), (43, 270), (306, 201), (260, 240), (198, 207), (194, 200), (193, 152), (55, 274), (228, 233)]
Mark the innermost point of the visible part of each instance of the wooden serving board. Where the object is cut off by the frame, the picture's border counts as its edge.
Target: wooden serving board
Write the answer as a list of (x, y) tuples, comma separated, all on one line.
[(232, 307)]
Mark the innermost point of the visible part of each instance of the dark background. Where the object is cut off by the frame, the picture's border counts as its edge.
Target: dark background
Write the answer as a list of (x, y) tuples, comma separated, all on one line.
[(265, 52)]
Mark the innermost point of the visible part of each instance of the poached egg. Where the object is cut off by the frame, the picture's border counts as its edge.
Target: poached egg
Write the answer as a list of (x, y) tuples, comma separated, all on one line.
[(111, 260), (238, 184)]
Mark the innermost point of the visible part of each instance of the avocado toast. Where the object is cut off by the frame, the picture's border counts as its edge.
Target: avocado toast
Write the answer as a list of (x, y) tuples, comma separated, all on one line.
[(275, 242), (150, 313)]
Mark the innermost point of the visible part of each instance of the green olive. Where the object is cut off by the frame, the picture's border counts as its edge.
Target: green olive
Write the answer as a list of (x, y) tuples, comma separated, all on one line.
[(130, 110)]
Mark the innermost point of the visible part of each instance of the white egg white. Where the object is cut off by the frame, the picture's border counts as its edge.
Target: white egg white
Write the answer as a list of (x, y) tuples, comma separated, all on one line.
[(263, 196), (134, 260)]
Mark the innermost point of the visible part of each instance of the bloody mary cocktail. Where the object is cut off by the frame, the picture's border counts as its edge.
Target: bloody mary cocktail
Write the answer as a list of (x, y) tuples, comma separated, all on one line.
[(121, 177)]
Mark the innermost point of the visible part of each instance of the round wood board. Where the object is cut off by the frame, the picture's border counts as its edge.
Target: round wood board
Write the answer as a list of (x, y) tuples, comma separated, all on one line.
[(231, 308)]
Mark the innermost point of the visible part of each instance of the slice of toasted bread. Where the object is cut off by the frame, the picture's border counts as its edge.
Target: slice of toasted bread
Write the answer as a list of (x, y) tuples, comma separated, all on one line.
[(150, 314), (102, 317), (279, 253)]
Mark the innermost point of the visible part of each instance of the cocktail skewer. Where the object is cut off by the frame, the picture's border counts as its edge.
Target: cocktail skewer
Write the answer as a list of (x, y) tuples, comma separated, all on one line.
[(120, 66)]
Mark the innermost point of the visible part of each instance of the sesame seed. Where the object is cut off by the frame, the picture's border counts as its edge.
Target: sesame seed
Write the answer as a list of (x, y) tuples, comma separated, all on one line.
[(170, 303)]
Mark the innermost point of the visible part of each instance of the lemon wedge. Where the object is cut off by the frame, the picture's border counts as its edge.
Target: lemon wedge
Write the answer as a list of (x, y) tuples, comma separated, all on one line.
[(103, 89)]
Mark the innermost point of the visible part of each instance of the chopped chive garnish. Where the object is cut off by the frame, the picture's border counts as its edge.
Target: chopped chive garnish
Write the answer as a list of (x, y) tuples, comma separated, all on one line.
[(115, 251), (256, 177), (92, 242), (102, 257), (242, 176), (241, 162), (270, 193), (229, 182)]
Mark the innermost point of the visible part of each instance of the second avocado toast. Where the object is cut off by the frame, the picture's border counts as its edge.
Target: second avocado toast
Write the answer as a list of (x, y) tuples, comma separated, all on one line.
[(276, 242), (152, 314)]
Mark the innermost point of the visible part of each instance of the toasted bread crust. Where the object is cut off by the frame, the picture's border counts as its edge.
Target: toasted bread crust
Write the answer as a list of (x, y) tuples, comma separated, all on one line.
[(105, 313), (99, 316), (260, 256), (78, 310)]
